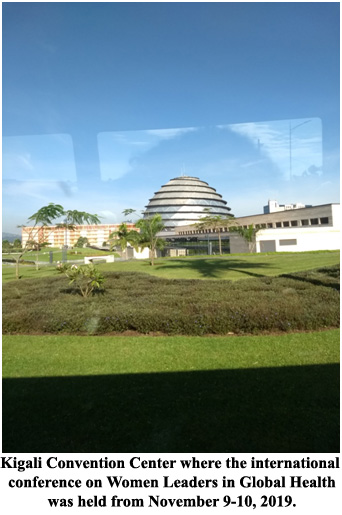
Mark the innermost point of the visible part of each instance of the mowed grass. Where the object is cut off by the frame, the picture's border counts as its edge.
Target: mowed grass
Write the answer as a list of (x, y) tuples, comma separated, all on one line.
[(57, 254), (230, 267), (72, 254), (278, 393), (171, 394)]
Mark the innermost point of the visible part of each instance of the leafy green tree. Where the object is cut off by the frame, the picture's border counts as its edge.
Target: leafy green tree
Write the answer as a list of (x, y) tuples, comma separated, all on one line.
[(81, 242), (73, 218), (128, 212), (148, 237), (17, 243), (47, 216), (6, 246), (124, 237), (44, 217), (215, 223)]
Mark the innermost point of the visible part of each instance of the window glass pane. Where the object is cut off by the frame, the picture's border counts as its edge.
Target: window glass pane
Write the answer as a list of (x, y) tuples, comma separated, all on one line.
[(287, 242)]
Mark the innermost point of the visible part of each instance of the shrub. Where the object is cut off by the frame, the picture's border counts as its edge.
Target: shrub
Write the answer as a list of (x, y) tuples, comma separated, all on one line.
[(143, 303), (86, 278)]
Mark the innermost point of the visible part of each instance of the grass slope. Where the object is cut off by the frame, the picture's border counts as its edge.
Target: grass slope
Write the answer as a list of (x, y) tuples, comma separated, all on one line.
[(171, 394), (231, 267)]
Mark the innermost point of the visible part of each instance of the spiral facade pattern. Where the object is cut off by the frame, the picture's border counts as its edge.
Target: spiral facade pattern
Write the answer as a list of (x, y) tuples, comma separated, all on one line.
[(182, 201)]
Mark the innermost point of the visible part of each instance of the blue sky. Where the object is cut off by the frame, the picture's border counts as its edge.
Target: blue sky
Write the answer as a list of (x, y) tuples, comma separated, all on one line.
[(105, 102)]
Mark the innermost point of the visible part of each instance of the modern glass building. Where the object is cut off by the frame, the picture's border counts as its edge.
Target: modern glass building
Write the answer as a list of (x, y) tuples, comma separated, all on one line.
[(183, 201)]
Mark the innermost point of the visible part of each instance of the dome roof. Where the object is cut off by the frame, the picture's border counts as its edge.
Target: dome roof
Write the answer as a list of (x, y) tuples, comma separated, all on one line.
[(182, 201)]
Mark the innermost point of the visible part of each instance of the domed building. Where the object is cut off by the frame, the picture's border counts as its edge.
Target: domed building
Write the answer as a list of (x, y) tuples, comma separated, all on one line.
[(183, 201)]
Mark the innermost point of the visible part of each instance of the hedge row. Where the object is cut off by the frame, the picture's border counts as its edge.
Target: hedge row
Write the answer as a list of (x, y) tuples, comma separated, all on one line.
[(138, 302)]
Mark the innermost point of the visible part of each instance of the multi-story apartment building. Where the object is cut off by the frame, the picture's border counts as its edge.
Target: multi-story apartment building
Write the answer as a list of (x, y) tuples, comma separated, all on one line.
[(59, 236)]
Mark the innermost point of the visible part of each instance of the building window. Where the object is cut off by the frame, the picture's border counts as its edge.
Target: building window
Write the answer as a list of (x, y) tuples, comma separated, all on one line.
[(324, 220), (314, 221), (282, 243), (305, 222), (278, 224), (286, 224), (294, 223), (269, 226)]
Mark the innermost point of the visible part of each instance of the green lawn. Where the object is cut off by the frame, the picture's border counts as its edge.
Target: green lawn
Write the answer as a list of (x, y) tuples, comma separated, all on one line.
[(171, 394), (74, 253), (279, 393), (230, 267)]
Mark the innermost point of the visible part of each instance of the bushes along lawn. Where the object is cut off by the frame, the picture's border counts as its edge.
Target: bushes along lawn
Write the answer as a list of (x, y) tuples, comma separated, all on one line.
[(147, 304)]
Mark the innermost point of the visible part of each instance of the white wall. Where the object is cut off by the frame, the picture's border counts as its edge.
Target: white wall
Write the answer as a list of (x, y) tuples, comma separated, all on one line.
[(308, 238), (336, 212), (143, 254)]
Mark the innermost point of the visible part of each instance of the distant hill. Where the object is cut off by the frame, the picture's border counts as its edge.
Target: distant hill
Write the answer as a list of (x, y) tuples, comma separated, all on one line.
[(10, 236)]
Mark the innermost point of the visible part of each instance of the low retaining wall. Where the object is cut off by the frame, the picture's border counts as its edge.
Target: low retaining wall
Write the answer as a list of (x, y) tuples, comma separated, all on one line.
[(93, 259)]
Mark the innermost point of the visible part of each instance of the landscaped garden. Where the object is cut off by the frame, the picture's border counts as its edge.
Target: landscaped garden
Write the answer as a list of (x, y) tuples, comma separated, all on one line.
[(177, 364), (72, 254)]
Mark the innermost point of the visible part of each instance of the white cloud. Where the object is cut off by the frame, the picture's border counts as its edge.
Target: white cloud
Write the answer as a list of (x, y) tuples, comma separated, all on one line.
[(118, 150), (171, 133), (106, 213), (251, 163), (35, 189), (296, 150), (17, 163)]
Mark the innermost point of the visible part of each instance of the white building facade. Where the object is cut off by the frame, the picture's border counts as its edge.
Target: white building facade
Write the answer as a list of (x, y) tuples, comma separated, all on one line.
[(292, 230), (296, 230)]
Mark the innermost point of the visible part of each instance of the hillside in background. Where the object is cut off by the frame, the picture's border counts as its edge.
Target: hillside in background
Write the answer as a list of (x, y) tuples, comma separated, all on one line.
[(10, 236)]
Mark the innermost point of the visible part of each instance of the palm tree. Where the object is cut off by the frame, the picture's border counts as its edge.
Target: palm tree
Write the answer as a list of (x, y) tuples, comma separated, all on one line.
[(46, 216), (74, 217), (124, 237), (148, 237), (215, 222)]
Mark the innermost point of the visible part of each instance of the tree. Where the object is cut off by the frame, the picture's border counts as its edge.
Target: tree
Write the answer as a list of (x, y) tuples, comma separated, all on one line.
[(17, 243), (6, 246), (128, 212), (215, 222), (42, 218), (124, 237), (248, 234), (85, 277), (74, 217), (148, 237), (82, 242), (46, 216)]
